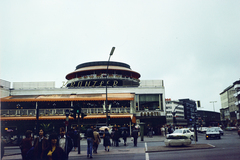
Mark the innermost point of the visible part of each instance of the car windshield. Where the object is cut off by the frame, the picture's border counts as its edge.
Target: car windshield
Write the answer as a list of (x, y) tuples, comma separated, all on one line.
[(212, 130), (177, 131)]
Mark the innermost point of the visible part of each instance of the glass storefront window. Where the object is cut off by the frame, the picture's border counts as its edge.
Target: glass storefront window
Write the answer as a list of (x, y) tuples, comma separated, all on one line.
[(149, 102)]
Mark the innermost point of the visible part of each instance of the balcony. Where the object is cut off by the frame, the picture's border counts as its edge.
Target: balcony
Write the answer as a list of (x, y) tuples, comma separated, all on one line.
[(236, 86), (59, 112), (237, 103), (237, 94)]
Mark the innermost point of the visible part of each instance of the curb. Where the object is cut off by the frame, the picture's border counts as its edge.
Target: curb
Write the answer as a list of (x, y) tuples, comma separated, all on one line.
[(178, 148)]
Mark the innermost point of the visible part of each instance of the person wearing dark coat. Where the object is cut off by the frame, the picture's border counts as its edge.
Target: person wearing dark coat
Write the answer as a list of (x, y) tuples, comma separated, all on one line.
[(112, 136), (125, 135), (26, 144), (116, 137), (135, 136), (106, 140), (54, 152), (3, 142), (75, 139), (40, 145)]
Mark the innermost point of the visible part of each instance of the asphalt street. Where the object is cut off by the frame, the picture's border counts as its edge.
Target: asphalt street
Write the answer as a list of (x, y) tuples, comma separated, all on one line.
[(154, 148)]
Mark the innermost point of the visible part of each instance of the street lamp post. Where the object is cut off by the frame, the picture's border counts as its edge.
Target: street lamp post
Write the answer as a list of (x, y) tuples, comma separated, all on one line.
[(213, 104), (106, 104)]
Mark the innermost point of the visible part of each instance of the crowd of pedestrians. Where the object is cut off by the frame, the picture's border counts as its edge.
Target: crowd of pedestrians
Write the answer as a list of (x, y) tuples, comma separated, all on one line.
[(58, 146)]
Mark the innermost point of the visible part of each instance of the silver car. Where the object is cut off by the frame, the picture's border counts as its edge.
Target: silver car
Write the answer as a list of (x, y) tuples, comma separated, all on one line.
[(177, 140)]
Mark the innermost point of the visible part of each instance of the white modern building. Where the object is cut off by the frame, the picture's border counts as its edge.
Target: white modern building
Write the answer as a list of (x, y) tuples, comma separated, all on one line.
[(129, 99), (230, 103), (175, 113)]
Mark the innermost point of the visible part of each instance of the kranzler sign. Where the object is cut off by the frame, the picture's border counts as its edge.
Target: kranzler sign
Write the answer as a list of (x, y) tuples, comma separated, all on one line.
[(95, 83)]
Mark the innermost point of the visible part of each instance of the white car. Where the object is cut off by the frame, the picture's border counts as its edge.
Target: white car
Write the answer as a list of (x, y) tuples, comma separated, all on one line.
[(220, 130), (213, 133), (177, 140), (183, 132)]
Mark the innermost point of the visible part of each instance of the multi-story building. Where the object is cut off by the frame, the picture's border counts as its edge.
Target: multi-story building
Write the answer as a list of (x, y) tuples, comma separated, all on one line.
[(230, 98), (208, 118), (190, 110), (129, 100), (175, 113)]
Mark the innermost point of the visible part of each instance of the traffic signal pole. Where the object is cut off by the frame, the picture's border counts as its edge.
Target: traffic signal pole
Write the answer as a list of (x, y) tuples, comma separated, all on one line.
[(79, 138)]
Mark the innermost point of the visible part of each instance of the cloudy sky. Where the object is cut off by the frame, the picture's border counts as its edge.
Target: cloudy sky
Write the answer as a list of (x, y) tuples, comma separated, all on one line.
[(192, 45)]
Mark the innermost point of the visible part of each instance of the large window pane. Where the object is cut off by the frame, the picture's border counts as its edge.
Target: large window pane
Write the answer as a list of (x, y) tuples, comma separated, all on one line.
[(149, 102)]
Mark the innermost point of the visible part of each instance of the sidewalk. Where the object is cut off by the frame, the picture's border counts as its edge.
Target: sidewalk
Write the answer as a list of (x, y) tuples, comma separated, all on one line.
[(122, 150)]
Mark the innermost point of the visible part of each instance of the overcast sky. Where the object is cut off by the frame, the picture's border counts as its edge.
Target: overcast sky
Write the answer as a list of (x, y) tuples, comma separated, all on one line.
[(194, 46)]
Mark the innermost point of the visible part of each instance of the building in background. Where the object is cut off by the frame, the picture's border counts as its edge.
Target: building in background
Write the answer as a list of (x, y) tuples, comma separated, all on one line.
[(230, 104), (175, 113), (208, 118), (190, 110), (4, 88)]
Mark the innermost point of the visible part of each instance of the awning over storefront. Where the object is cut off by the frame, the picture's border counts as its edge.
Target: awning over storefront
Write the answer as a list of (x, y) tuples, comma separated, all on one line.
[(20, 118), (68, 97)]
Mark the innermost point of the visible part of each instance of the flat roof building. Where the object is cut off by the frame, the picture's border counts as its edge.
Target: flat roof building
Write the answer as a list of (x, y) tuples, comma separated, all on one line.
[(130, 100)]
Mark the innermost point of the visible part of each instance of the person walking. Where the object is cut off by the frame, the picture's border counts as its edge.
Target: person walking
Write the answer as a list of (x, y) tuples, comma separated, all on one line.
[(3, 142), (26, 144), (116, 137), (125, 135), (112, 136), (40, 145), (163, 131), (75, 137), (169, 129), (135, 136), (54, 152), (90, 139), (96, 141), (106, 140), (65, 142)]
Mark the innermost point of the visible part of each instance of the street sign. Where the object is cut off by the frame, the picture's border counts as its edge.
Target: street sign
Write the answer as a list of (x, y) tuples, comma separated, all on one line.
[(66, 123), (67, 112)]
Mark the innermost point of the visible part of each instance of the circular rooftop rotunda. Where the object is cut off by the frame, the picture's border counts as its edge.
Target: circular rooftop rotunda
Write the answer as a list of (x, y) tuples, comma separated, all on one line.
[(93, 74)]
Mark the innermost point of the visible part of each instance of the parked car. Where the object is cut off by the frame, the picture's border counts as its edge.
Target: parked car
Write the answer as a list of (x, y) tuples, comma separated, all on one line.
[(239, 131), (183, 132), (231, 128), (220, 130), (202, 129), (177, 140), (213, 133)]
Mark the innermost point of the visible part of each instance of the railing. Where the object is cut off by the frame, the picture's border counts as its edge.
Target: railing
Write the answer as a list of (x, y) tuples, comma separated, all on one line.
[(59, 112)]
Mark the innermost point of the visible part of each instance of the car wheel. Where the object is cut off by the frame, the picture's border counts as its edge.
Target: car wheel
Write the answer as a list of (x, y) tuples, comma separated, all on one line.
[(191, 138)]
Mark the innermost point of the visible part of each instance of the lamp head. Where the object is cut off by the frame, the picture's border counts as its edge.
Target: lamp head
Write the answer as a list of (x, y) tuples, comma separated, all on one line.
[(111, 53)]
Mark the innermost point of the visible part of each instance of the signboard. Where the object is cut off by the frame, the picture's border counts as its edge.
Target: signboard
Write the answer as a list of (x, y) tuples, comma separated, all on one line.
[(137, 121)]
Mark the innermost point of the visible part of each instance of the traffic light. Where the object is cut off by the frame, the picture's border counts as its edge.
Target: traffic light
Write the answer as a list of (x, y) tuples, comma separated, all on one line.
[(78, 110), (83, 115), (73, 112), (198, 104), (108, 118)]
